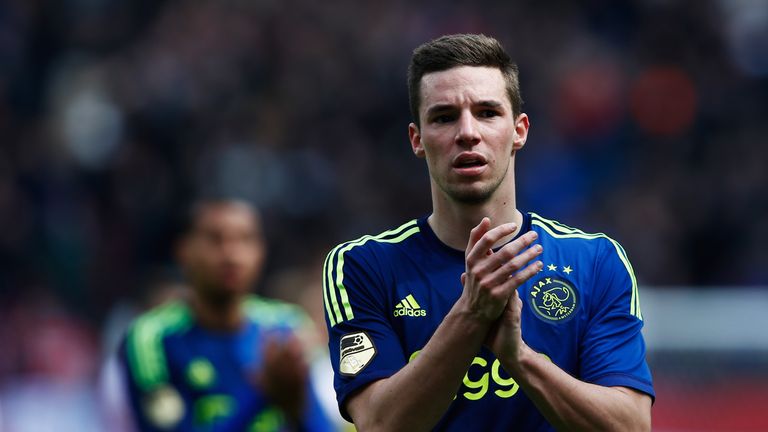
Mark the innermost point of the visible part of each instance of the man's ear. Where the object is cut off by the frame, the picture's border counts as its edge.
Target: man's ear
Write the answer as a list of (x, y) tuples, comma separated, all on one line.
[(415, 137), (522, 124)]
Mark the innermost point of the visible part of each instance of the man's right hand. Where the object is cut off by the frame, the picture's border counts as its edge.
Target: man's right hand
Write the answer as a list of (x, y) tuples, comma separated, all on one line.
[(284, 376), (491, 277)]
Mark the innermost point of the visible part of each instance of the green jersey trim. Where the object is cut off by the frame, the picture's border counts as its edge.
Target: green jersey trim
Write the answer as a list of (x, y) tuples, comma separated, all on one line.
[(559, 230), (271, 312), (333, 289), (146, 355)]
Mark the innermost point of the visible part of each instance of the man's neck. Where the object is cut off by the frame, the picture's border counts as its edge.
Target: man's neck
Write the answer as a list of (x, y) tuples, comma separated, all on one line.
[(452, 221), (222, 315)]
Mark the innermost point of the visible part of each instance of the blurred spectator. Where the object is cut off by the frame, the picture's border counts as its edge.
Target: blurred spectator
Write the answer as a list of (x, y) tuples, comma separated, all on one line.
[(49, 368)]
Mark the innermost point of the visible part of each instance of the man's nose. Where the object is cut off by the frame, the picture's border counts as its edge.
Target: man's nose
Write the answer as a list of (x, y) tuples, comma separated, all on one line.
[(231, 251), (467, 132)]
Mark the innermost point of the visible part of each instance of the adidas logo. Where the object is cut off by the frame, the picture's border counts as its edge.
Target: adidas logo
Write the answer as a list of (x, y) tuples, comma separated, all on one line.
[(409, 307)]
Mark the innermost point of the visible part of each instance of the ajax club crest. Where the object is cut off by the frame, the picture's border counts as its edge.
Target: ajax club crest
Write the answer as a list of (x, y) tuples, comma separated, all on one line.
[(553, 299)]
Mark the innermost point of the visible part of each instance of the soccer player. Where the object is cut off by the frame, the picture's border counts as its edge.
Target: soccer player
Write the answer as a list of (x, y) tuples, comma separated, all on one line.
[(221, 359), (480, 316)]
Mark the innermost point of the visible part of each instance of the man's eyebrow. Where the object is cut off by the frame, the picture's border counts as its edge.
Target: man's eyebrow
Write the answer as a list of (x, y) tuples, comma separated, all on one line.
[(490, 104), (447, 107), (439, 108)]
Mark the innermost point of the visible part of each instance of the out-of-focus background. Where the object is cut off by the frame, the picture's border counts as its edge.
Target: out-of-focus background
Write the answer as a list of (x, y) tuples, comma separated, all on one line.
[(648, 123)]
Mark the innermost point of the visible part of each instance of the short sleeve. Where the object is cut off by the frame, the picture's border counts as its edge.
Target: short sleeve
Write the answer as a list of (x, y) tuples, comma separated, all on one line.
[(613, 349), (159, 407), (362, 343)]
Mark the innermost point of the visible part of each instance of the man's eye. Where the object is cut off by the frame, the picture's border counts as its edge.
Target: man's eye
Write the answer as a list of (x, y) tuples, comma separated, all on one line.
[(213, 238), (488, 113), (443, 118)]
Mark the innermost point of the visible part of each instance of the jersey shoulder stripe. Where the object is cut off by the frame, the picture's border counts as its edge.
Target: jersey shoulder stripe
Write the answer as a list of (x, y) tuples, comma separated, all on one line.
[(335, 297), (144, 342), (559, 230), (267, 312)]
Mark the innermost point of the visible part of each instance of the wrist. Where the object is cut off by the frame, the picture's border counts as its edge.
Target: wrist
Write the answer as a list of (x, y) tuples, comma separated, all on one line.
[(520, 361), (472, 319)]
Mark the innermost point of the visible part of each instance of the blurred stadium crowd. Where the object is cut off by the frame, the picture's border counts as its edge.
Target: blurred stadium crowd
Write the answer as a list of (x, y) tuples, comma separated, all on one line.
[(648, 122)]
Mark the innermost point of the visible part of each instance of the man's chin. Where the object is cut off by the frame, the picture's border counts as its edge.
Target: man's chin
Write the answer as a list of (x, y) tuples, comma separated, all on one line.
[(471, 195), (235, 290), (225, 293)]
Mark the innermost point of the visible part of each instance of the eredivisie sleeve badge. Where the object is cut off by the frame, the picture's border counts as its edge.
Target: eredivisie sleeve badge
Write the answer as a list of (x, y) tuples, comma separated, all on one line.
[(356, 352)]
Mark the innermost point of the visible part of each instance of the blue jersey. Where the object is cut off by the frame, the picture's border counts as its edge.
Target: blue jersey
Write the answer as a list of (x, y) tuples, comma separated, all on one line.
[(385, 296), (182, 377)]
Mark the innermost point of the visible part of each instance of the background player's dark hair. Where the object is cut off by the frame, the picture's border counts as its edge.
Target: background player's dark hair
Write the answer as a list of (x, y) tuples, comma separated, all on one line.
[(187, 219), (450, 51)]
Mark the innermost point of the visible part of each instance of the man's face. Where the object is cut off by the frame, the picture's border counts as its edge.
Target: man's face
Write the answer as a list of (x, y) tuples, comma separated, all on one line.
[(224, 251), (468, 133)]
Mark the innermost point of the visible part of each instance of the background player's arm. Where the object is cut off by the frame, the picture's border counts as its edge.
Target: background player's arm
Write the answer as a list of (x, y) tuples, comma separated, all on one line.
[(417, 396), (160, 408)]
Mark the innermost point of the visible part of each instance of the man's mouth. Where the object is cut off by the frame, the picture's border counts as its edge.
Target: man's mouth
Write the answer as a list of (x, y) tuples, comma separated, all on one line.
[(469, 164), (469, 160)]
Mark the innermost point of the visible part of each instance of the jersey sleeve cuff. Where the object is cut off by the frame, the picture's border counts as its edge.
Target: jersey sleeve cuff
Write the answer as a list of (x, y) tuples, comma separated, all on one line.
[(621, 380), (356, 384)]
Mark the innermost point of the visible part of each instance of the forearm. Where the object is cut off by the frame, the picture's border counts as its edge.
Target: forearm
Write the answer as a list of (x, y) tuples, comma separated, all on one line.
[(417, 396), (573, 405)]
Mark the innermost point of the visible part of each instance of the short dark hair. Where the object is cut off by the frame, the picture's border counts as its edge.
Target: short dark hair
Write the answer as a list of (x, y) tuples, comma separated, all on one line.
[(189, 216), (451, 51)]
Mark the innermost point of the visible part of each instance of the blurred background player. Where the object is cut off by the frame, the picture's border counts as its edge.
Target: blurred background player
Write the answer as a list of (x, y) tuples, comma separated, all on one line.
[(220, 358)]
